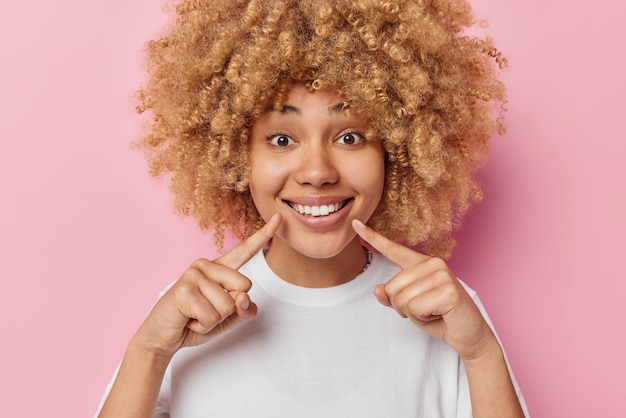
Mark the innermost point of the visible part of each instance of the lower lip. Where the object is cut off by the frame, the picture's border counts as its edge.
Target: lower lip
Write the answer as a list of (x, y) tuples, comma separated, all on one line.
[(323, 222)]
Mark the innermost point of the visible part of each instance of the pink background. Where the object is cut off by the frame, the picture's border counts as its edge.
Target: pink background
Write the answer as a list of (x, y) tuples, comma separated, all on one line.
[(87, 239)]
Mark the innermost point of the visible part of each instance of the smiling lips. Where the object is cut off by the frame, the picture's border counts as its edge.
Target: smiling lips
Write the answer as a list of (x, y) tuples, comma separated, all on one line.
[(321, 210)]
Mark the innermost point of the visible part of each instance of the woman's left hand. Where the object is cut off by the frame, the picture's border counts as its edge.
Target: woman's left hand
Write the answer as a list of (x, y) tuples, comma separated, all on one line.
[(430, 295)]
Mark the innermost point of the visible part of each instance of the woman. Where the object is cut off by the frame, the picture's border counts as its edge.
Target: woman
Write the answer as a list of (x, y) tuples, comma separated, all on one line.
[(292, 125)]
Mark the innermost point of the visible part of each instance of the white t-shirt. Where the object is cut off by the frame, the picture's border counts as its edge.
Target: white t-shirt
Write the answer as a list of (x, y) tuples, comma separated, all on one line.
[(329, 352)]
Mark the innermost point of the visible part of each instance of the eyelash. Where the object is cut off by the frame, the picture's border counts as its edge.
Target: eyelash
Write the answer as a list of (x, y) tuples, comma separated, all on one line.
[(353, 133), (274, 136), (271, 137)]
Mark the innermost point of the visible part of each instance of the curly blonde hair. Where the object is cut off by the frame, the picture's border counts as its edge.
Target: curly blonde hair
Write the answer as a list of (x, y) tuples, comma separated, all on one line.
[(429, 91)]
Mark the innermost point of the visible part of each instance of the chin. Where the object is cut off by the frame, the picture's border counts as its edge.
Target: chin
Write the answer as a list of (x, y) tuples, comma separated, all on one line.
[(322, 246)]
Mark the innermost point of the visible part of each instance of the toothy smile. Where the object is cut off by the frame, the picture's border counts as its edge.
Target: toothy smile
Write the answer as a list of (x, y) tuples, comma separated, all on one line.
[(321, 210)]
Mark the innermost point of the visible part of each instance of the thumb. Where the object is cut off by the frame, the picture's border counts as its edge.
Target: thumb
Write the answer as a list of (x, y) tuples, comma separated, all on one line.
[(246, 309), (381, 295), (237, 318)]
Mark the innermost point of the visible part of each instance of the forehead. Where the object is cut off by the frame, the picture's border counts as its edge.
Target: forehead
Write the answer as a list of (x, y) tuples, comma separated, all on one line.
[(302, 104), (318, 108), (301, 100)]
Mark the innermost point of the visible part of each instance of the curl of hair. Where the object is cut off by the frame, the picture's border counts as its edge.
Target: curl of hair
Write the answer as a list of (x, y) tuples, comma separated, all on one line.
[(430, 92)]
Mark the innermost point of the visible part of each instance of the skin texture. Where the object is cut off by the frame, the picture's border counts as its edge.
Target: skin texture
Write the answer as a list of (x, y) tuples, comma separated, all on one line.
[(321, 162), (427, 292), (208, 299), (309, 152), (428, 88)]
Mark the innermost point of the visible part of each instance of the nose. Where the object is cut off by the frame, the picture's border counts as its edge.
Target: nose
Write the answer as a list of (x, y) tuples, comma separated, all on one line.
[(315, 167)]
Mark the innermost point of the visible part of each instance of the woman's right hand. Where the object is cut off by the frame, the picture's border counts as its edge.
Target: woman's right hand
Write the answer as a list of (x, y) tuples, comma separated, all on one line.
[(208, 299)]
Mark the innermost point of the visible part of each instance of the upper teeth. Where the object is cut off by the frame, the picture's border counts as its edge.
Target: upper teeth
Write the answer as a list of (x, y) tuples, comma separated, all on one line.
[(322, 210)]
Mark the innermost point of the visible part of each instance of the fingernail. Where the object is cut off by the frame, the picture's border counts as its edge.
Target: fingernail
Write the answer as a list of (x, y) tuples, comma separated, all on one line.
[(246, 303), (357, 223)]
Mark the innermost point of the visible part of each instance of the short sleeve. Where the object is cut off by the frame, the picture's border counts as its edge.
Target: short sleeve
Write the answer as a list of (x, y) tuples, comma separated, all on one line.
[(483, 311)]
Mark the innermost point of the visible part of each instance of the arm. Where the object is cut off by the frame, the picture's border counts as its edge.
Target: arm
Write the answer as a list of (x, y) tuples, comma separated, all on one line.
[(426, 292), (136, 388), (208, 299), (491, 389)]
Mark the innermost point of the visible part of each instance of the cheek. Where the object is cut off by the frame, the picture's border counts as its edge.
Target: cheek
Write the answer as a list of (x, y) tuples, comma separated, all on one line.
[(254, 183), (264, 184), (373, 177), (375, 188), (367, 177)]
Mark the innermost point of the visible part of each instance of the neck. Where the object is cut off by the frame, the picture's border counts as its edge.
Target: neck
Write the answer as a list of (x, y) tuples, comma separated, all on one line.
[(302, 270)]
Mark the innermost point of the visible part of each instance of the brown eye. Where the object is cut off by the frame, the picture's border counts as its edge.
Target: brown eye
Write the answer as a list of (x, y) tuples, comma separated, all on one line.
[(351, 138), (281, 140)]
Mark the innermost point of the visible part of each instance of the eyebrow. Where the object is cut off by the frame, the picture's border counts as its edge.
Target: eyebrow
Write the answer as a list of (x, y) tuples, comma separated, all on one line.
[(333, 110)]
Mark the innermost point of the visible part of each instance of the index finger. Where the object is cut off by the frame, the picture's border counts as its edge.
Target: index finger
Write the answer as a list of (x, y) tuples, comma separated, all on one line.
[(397, 253), (246, 249)]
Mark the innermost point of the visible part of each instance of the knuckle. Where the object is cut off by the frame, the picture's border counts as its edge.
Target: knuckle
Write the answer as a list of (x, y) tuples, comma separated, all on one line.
[(438, 263), (414, 307), (397, 300), (200, 263), (246, 284), (192, 274), (450, 291), (239, 283), (215, 317), (443, 276), (226, 310), (185, 289)]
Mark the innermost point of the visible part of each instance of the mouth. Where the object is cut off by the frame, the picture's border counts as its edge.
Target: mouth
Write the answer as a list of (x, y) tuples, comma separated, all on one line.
[(316, 211)]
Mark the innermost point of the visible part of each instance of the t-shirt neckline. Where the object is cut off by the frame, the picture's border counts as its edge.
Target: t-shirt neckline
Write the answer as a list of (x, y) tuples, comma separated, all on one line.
[(262, 275)]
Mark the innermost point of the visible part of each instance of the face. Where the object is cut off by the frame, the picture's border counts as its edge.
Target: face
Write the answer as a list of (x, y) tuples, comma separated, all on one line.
[(311, 163)]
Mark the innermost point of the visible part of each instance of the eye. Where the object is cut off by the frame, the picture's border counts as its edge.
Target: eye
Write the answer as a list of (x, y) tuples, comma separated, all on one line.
[(280, 140), (351, 138)]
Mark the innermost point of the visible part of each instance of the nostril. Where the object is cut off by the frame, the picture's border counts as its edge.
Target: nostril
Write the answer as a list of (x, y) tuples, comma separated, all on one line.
[(317, 173)]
